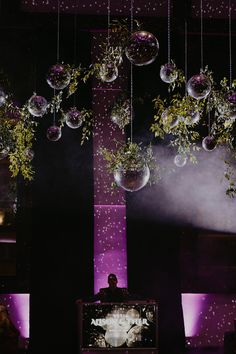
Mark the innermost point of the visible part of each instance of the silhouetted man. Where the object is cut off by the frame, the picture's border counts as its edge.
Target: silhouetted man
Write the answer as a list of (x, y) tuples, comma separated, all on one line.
[(112, 293)]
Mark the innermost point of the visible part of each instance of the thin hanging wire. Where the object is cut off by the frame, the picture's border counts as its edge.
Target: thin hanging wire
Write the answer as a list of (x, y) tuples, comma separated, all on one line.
[(209, 123), (230, 46), (108, 22), (131, 73), (201, 11), (58, 55), (58, 31), (168, 30), (75, 49), (186, 54)]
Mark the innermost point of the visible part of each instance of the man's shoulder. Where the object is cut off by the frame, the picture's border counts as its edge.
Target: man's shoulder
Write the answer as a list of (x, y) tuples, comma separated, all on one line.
[(102, 290)]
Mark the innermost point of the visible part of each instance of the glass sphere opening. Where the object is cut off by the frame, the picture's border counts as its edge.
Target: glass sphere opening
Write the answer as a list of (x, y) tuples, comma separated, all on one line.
[(132, 180)]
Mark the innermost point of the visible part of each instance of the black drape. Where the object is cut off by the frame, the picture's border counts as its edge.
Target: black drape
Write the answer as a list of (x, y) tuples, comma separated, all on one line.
[(154, 273)]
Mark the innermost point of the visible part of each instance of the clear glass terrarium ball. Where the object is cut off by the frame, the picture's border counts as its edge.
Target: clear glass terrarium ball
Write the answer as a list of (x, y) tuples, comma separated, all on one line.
[(209, 143), (37, 105), (29, 153), (199, 86), (54, 133), (58, 77), (170, 119), (108, 72), (142, 48), (73, 118), (132, 180), (168, 73), (180, 160)]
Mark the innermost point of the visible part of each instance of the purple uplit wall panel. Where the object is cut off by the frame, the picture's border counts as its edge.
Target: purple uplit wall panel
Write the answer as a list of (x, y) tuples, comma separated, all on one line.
[(207, 317), (18, 309), (109, 206), (104, 134), (192, 307), (110, 246), (118, 7)]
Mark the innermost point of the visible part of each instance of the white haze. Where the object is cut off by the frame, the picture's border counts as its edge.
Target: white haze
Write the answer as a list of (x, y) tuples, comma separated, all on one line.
[(193, 194)]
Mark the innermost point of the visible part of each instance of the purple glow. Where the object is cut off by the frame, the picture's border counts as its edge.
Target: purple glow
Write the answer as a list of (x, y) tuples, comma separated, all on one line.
[(109, 205), (192, 306), (18, 308), (207, 317), (7, 240), (110, 245)]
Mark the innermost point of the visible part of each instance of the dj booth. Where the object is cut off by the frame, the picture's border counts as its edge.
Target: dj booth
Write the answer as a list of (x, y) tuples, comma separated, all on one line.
[(118, 327)]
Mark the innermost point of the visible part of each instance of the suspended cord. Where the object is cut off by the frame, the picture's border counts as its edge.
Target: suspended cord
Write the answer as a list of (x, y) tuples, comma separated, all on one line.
[(75, 48), (201, 37), (58, 30), (168, 29), (131, 76), (131, 102), (58, 55), (108, 22), (209, 123), (186, 53), (230, 46), (132, 16)]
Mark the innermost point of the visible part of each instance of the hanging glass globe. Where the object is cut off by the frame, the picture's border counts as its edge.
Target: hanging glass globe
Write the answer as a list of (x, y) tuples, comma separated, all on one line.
[(170, 119), (180, 160), (37, 105), (58, 77), (3, 97), (192, 117), (209, 143), (54, 133), (199, 86), (74, 118), (132, 180), (142, 48), (168, 72), (108, 72), (29, 153), (4, 151)]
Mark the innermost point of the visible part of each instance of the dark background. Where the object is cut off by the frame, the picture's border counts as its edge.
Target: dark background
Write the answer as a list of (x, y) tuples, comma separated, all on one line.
[(54, 223)]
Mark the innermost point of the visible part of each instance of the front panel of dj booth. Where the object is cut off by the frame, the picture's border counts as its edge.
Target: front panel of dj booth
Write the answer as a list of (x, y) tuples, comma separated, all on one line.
[(117, 328)]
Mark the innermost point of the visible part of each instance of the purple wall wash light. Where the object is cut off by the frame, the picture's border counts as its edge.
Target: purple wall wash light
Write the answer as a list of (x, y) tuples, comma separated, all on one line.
[(18, 309), (110, 246), (207, 317), (192, 306), (109, 207)]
